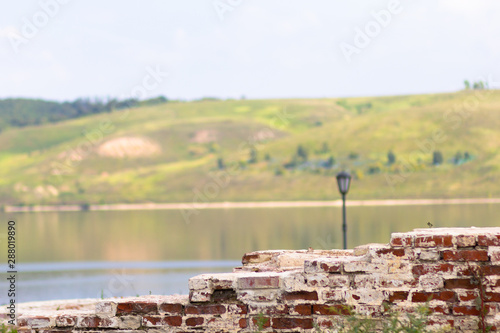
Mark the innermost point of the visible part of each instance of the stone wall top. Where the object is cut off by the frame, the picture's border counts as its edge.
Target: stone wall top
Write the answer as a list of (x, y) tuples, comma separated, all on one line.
[(450, 269)]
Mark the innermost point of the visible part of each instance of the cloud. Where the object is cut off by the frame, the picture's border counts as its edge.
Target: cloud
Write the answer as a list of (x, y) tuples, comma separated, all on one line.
[(9, 32)]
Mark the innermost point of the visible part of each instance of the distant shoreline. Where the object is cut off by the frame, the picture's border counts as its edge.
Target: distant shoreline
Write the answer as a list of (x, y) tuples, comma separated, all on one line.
[(256, 204)]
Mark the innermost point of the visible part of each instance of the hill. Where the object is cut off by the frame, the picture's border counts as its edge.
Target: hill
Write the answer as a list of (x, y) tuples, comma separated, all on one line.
[(239, 150), (20, 112)]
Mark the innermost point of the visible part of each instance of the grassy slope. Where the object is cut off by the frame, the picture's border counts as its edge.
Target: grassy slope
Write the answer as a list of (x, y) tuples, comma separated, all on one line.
[(401, 123)]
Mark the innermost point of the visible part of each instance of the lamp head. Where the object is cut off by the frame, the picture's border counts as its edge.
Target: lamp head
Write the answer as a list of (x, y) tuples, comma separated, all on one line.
[(343, 181)]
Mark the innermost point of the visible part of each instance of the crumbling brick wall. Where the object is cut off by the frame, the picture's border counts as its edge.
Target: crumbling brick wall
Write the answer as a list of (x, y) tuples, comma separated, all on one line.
[(303, 291)]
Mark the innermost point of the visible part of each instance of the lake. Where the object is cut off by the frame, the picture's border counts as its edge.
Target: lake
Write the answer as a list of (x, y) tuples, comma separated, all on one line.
[(64, 255)]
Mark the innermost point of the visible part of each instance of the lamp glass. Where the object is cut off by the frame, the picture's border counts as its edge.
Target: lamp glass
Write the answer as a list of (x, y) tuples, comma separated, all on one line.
[(343, 181)]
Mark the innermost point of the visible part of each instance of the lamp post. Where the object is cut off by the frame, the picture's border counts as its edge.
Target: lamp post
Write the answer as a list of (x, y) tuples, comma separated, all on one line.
[(343, 181)]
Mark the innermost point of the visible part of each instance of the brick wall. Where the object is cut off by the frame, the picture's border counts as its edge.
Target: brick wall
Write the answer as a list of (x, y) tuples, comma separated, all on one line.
[(306, 290)]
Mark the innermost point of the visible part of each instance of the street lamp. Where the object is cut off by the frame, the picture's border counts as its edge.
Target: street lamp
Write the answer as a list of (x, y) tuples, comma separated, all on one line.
[(343, 181)]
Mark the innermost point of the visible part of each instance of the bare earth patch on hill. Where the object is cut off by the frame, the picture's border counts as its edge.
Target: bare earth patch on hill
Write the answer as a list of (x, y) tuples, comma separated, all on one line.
[(132, 147), (204, 136)]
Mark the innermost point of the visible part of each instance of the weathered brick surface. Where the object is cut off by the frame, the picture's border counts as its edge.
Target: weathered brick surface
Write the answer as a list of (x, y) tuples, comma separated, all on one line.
[(211, 309), (295, 291), (465, 255), (434, 241), (258, 282), (445, 296), (137, 308), (432, 268), (301, 296)]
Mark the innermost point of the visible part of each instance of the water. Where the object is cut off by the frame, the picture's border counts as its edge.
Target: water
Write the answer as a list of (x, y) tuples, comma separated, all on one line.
[(88, 254)]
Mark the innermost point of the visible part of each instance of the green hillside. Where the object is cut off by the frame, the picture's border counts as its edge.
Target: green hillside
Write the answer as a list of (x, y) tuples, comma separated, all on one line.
[(185, 151)]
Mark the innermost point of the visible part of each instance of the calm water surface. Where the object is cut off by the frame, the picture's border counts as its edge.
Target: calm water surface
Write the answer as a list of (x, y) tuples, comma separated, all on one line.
[(89, 254)]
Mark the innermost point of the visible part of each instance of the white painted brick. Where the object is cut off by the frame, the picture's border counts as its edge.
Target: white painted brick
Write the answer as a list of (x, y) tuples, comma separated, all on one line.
[(258, 296), (129, 322), (105, 309), (351, 267), (293, 281), (431, 282), (333, 295), (494, 254), (430, 255), (366, 296), (200, 295)]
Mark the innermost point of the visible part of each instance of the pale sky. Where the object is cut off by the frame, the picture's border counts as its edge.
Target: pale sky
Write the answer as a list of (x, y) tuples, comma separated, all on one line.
[(64, 49)]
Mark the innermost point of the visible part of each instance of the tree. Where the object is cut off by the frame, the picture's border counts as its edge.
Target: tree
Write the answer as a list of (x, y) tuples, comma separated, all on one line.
[(330, 162), (467, 156), (253, 156), (267, 157), (220, 164), (467, 84), (437, 157), (324, 148), (458, 158), (292, 163), (302, 153), (391, 158), (479, 85)]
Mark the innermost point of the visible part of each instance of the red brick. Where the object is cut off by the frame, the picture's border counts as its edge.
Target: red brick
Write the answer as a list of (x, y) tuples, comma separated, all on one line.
[(137, 307), (331, 309), (433, 241), (264, 321), (403, 241), (394, 252), (465, 255), (243, 322), (421, 297), (439, 309), (398, 296), (257, 282), (460, 284), (488, 240), (241, 309), (301, 309), (95, 322), (431, 269), (492, 297), (490, 270), (171, 308), (281, 309), (325, 323), (194, 321), (441, 322), (330, 268), (465, 240), (467, 296), (21, 322), (65, 321), (289, 323), (301, 295), (205, 309), (162, 321), (465, 310)]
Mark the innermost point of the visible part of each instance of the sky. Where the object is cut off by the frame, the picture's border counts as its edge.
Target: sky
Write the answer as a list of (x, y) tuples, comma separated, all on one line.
[(65, 49)]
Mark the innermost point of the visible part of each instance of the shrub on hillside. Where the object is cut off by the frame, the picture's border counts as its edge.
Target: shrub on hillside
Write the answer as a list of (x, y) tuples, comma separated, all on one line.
[(437, 158), (391, 158)]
